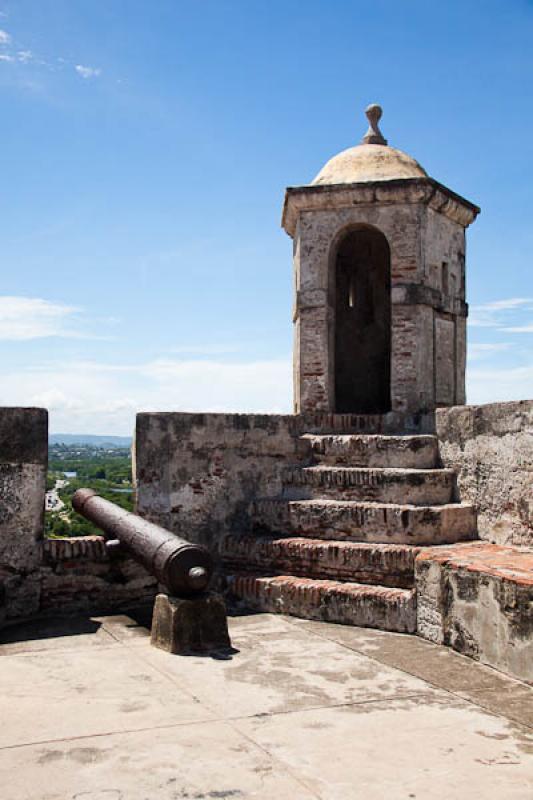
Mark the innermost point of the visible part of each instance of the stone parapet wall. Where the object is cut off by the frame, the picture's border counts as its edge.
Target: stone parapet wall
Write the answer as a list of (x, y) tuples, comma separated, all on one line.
[(23, 465), (77, 574), (491, 449), (47, 575), (196, 474), (478, 599)]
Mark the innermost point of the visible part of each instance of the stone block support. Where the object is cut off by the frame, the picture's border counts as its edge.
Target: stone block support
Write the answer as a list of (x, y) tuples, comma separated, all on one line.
[(192, 626)]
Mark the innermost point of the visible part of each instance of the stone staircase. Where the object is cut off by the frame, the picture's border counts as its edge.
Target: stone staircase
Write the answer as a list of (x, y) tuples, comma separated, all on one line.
[(340, 542)]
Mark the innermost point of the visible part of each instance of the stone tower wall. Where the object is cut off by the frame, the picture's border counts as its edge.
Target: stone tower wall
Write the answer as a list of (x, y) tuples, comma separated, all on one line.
[(443, 252), (427, 251)]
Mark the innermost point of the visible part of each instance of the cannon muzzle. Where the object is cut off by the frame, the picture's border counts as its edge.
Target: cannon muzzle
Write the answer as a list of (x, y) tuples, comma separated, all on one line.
[(184, 568)]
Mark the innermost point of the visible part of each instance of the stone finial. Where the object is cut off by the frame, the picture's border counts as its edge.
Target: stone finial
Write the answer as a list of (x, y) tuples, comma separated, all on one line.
[(373, 135)]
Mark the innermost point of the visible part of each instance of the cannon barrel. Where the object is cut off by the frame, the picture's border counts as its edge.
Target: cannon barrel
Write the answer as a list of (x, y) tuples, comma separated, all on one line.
[(182, 567)]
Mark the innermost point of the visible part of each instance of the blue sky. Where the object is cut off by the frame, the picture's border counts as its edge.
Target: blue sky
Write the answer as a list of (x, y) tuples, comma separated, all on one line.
[(145, 149)]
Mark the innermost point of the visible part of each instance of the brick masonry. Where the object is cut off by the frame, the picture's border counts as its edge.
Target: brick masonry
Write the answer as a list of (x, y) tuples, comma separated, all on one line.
[(346, 603), (385, 565), (77, 574)]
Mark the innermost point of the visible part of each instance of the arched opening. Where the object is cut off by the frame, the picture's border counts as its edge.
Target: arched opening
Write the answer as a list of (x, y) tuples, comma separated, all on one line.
[(362, 323)]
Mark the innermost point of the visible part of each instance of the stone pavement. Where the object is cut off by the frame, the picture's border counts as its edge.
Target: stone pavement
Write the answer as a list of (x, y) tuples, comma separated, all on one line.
[(90, 711)]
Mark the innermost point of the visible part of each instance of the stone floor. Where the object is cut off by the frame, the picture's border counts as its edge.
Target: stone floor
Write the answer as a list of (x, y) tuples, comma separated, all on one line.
[(90, 711)]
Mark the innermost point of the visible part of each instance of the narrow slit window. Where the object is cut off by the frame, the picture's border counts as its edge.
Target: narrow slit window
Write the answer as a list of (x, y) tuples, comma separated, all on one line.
[(351, 293)]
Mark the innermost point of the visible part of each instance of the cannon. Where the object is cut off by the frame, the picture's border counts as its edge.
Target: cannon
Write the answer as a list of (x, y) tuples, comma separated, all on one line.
[(185, 569)]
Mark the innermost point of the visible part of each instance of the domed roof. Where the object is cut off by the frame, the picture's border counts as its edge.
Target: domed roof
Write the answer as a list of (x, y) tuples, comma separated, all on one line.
[(369, 162), (372, 160)]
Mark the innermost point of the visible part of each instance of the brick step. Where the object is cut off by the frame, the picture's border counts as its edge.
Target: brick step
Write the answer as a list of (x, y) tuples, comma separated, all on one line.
[(366, 522), (383, 564), (329, 601), (414, 486), (374, 450), (393, 422)]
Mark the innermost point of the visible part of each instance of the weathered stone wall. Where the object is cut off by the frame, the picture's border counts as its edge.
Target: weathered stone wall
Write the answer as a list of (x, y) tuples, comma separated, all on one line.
[(39, 575), (196, 474), (77, 574), (23, 465), (478, 599), (491, 449), (443, 255), (425, 228)]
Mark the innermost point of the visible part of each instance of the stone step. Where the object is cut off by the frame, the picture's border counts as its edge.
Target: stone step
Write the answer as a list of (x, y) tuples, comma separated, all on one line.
[(414, 486), (329, 601), (366, 522), (384, 564), (374, 450)]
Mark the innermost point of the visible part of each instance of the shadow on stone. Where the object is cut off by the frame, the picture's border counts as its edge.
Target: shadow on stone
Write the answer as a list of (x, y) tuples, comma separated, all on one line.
[(51, 628)]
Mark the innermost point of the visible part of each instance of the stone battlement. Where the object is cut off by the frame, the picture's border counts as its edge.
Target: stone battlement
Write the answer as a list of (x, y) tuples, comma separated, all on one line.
[(223, 479)]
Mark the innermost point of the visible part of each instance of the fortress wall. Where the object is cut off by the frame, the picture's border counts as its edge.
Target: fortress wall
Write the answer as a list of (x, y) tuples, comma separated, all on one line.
[(23, 465), (196, 474), (491, 449), (77, 574), (49, 575)]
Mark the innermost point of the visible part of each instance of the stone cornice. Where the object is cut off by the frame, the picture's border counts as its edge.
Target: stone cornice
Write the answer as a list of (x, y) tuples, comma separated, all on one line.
[(424, 191), (402, 294), (415, 294)]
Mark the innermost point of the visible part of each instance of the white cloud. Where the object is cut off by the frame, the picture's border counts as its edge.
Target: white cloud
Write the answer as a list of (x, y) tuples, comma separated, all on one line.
[(24, 56), (104, 398), (205, 349), (87, 72), (93, 397), (492, 315), (509, 303), (519, 328), (24, 318), (476, 351)]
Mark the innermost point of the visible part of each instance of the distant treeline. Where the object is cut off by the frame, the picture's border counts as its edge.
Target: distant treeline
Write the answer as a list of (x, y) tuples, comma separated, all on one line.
[(104, 471), (89, 439)]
